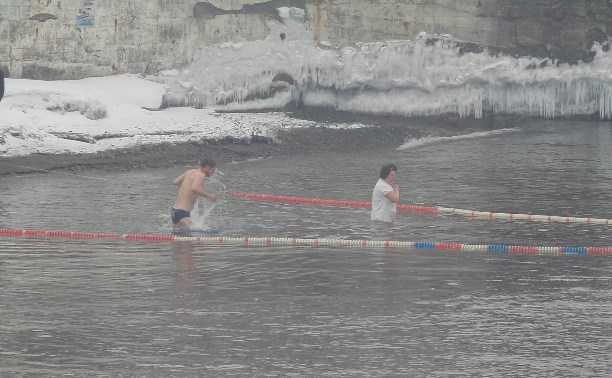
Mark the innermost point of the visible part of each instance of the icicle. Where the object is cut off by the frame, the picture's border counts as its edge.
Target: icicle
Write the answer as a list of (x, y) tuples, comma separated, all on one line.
[(413, 78)]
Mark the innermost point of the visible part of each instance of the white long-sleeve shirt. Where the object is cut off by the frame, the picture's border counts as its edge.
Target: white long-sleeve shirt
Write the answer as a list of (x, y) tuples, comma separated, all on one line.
[(382, 208)]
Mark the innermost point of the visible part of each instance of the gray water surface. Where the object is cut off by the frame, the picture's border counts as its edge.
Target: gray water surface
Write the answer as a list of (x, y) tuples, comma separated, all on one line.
[(116, 308)]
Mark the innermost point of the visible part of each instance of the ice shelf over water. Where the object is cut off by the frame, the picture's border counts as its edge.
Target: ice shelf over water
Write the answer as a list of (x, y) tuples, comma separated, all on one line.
[(421, 77)]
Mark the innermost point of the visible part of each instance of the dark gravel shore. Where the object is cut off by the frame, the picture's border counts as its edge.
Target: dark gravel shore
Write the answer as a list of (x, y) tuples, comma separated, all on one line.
[(297, 141), (380, 133)]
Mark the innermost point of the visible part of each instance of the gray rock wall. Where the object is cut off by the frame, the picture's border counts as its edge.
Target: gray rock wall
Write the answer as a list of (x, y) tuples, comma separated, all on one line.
[(53, 39), (68, 39), (562, 28)]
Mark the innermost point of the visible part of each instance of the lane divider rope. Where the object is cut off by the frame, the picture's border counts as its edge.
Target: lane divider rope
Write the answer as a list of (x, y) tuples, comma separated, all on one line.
[(430, 209), (294, 242)]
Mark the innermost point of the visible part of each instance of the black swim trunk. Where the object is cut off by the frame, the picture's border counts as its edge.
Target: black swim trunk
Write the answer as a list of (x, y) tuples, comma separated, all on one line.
[(178, 214)]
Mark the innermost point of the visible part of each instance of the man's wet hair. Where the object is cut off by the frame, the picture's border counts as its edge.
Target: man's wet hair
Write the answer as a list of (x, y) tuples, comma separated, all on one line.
[(208, 162), (386, 169)]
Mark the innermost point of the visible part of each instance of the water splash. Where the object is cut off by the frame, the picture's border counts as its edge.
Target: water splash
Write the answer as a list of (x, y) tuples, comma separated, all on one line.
[(211, 216)]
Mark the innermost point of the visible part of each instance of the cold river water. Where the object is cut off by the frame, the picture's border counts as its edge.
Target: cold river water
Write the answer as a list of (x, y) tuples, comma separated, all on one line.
[(117, 308)]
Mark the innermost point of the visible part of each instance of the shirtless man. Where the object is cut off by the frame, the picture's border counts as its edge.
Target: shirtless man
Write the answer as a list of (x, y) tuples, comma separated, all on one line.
[(191, 184)]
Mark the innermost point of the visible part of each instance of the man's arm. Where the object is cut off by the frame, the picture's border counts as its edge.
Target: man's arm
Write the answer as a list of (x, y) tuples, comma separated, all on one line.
[(198, 187), (179, 180), (394, 195)]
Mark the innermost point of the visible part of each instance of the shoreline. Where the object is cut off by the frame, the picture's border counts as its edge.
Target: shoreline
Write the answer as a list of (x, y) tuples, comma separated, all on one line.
[(378, 133), (290, 142)]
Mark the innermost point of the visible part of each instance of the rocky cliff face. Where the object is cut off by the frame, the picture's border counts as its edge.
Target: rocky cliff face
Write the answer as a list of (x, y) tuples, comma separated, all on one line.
[(560, 29), (71, 39)]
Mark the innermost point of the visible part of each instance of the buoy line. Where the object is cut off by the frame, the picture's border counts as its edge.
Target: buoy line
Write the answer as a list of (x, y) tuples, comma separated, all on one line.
[(430, 209), (406, 207), (294, 242)]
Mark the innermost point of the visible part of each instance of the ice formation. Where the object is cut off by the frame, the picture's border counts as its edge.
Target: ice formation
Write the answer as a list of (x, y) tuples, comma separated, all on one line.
[(421, 77)]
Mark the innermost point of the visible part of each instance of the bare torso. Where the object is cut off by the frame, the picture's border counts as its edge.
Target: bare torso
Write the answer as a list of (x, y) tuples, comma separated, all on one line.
[(186, 197)]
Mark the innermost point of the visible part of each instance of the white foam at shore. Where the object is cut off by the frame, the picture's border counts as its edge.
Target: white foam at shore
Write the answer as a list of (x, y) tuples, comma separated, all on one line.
[(419, 142)]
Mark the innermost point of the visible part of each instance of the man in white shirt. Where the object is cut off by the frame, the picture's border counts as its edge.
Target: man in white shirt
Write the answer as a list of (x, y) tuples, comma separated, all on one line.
[(385, 195)]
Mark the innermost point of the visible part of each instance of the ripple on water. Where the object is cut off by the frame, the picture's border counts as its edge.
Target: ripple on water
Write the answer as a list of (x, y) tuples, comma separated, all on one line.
[(121, 308)]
